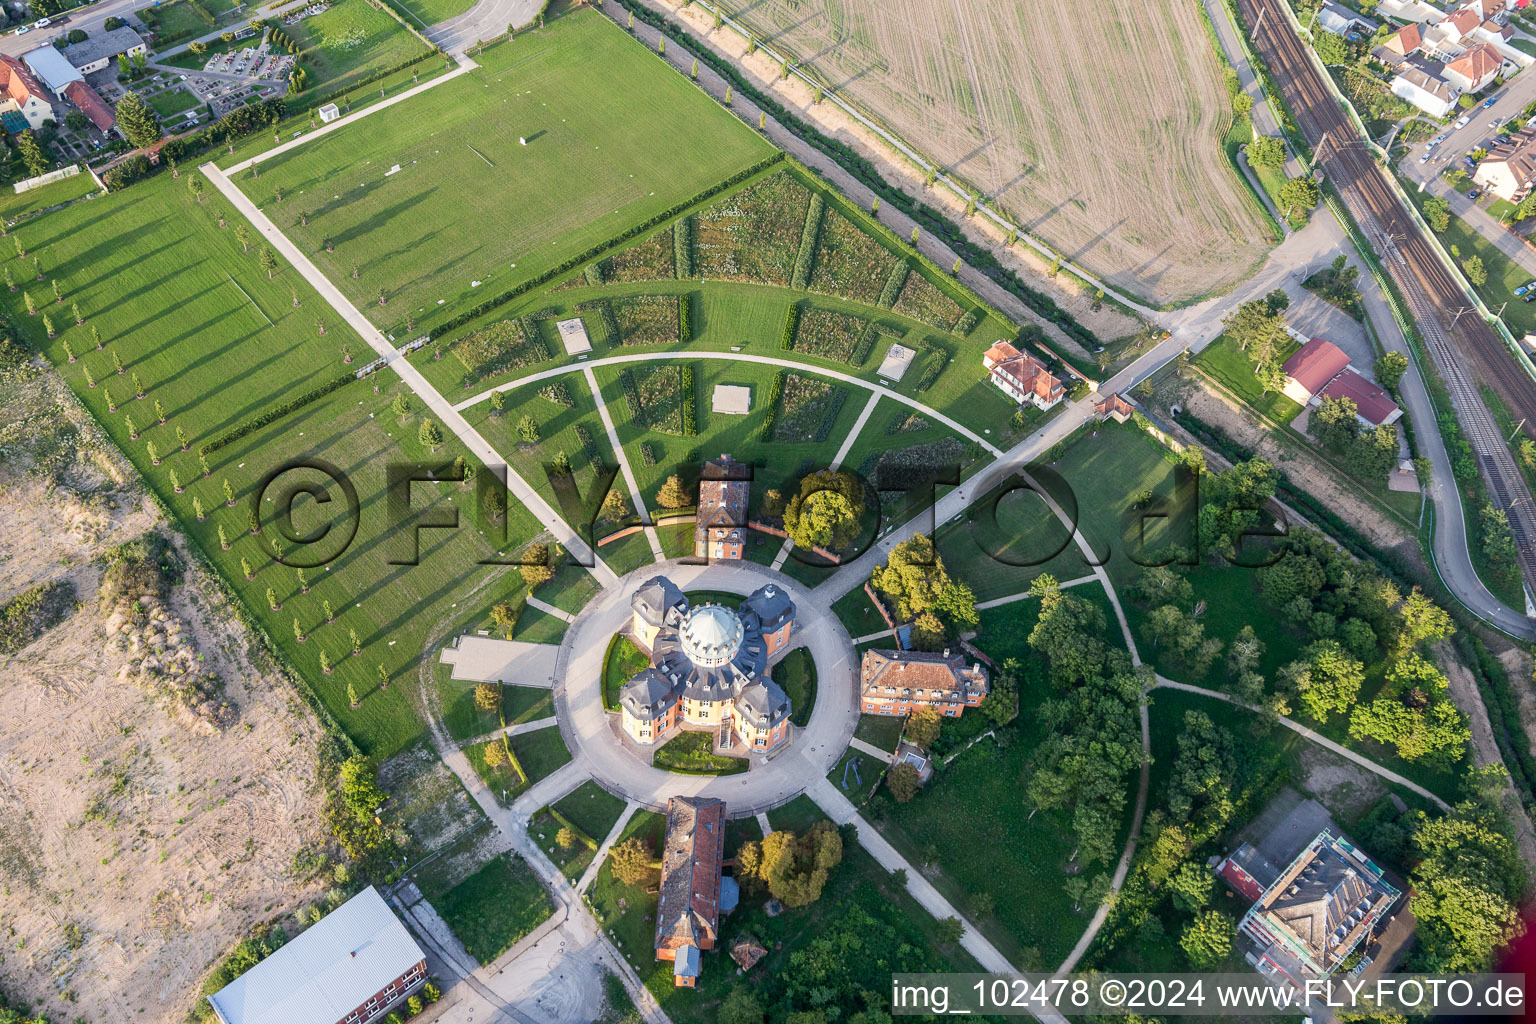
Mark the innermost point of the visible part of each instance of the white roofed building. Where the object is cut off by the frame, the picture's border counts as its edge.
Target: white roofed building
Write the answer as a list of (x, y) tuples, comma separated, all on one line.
[(352, 967)]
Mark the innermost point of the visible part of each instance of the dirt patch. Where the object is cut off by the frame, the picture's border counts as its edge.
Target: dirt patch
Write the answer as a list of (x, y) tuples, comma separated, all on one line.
[(1166, 218), (135, 848), (1106, 322), (430, 802), (1318, 479), (1485, 749), (1346, 789)]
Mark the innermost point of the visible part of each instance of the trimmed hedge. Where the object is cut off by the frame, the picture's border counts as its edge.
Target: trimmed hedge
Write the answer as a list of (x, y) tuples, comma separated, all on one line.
[(861, 168), (967, 323), (689, 399), (801, 278), (593, 274), (829, 418), (632, 400), (937, 363), (684, 317), (277, 412), (771, 408), (682, 248), (589, 449), (866, 343), (893, 284), (791, 324), (604, 310), (591, 253), (648, 453)]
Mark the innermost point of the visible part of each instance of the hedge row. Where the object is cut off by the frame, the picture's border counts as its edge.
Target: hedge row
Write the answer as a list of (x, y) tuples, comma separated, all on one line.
[(771, 408), (632, 399), (682, 248), (1504, 713), (599, 249), (807, 254), (589, 449), (648, 453), (866, 343), (684, 318), (581, 837), (604, 310), (593, 274), (689, 400), (829, 419), (791, 324), (277, 412), (967, 323), (850, 160), (203, 14), (324, 98), (389, 9), (892, 290), (937, 362)]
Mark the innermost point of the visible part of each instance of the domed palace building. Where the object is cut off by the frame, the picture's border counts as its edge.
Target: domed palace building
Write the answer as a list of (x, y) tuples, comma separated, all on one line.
[(709, 666)]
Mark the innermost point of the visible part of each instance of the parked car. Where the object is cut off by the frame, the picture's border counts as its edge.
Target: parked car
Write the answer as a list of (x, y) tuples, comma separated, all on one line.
[(1490, 101), (42, 23), (1463, 120), (1495, 122), (1525, 287), (23, 30), (1529, 297), (1473, 193), (1424, 159)]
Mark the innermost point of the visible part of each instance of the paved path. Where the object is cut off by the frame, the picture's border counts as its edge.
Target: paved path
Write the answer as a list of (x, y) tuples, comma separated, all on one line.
[(853, 435), (762, 823), (516, 729), (439, 406), (1318, 738), (618, 453), (590, 875), (998, 602), (1262, 115), (871, 750), (549, 609)]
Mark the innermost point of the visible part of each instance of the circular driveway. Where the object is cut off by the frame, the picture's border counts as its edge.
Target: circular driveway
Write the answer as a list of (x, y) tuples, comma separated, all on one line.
[(771, 780)]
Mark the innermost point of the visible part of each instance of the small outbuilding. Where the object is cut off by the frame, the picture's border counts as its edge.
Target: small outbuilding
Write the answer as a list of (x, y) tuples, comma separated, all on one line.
[(731, 400), (329, 113), (573, 335), (897, 361)]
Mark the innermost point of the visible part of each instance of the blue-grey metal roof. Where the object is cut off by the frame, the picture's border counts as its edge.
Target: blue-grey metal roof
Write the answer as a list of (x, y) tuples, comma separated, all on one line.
[(687, 963), (730, 894)]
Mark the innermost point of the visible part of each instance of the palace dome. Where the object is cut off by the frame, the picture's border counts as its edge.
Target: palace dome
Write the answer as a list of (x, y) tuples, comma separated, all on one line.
[(711, 635)]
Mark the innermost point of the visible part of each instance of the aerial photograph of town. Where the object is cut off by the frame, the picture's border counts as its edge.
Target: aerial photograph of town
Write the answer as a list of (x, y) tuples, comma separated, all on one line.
[(767, 511)]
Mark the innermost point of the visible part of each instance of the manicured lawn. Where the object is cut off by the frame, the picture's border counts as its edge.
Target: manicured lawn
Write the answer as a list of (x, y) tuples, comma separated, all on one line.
[(430, 12), (173, 22), (463, 720), (883, 731), (521, 704), (540, 752), (796, 674), (689, 753), (502, 780), (1231, 366), (350, 42), (494, 907), (857, 613), (543, 829), (592, 809), (620, 665), (14, 205), (597, 161), (173, 101)]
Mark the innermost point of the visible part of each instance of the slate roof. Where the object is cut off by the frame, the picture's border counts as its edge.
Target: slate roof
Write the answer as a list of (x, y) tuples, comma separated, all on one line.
[(763, 703), (657, 596), (647, 696), (688, 908), (770, 605)]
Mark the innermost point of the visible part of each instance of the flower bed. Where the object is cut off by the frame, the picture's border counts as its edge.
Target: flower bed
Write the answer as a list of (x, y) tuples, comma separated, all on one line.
[(646, 319), (807, 409), (651, 260), (660, 392), (849, 263), (834, 336), (502, 346), (922, 300), (755, 234)]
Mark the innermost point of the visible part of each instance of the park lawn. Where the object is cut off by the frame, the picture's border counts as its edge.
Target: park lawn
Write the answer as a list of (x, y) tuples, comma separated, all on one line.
[(351, 42), (1272, 178), (620, 665), (857, 613), (592, 809), (173, 22), (16, 205), (495, 907), (502, 780), (540, 752), (796, 675), (429, 12), (187, 312), (521, 704), (676, 540), (889, 435), (543, 830), (797, 815), (627, 554), (173, 101), (559, 428), (597, 162), (538, 627), (460, 717), (883, 731), (1232, 367), (691, 753)]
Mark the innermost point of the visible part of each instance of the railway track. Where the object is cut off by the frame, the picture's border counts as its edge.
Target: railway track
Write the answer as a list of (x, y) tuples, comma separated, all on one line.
[(1466, 350)]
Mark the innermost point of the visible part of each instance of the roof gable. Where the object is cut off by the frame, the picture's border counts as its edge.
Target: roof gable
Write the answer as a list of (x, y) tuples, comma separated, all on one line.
[(1315, 364)]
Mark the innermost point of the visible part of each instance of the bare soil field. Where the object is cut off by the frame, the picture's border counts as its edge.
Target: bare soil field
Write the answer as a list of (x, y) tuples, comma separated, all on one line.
[(138, 841), (1096, 126)]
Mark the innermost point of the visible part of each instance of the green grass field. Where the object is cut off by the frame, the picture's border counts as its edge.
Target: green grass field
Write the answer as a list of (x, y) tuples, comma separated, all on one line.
[(14, 205), (540, 752), (349, 43), (592, 809), (796, 674), (620, 664), (1232, 367), (173, 101), (494, 907), (635, 152)]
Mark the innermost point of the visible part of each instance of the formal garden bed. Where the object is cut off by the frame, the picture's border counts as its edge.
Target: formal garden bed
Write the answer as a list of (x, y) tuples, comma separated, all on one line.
[(647, 319), (500, 348), (650, 260), (808, 407), (840, 337), (922, 300), (692, 753), (850, 263), (753, 235)]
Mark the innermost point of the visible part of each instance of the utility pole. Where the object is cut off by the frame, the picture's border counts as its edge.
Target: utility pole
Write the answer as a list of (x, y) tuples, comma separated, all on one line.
[(1511, 437), (1459, 312)]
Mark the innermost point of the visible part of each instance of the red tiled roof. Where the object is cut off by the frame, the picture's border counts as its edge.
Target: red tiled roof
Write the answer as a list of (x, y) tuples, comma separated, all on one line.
[(1477, 63), (1315, 364), (688, 907), (1408, 40), (90, 104), (1370, 400), (19, 83), (1463, 21), (1112, 404), (921, 670), (1027, 372)]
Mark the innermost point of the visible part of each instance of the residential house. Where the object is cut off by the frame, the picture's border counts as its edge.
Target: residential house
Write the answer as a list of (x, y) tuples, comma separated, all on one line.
[(354, 966), (709, 667), (1022, 377), (1113, 407), (1323, 906), (1509, 169), (1320, 369), (1435, 96), (1396, 48), (1487, 10), (1343, 21), (103, 48), (688, 907), (1448, 38), (720, 528), (91, 105), (1496, 34), (1475, 70), (1410, 10), (901, 682), (22, 94)]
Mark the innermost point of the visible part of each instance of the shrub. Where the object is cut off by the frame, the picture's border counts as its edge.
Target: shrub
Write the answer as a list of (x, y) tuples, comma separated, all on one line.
[(648, 453), (557, 393), (632, 398), (967, 323), (771, 407), (684, 327), (807, 254), (682, 248), (29, 614), (593, 274), (688, 399), (791, 323), (893, 285)]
